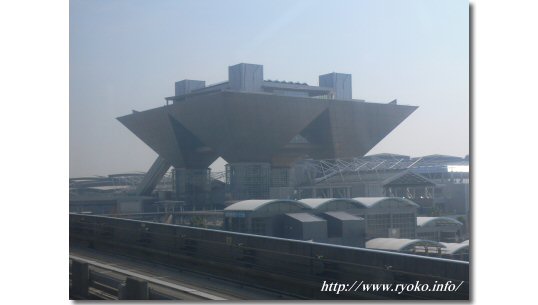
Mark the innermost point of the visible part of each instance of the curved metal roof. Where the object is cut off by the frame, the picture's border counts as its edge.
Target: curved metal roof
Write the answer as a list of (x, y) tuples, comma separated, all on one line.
[(432, 221), (370, 202), (454, 248), (317, 203), (400, 244), (255, 204)]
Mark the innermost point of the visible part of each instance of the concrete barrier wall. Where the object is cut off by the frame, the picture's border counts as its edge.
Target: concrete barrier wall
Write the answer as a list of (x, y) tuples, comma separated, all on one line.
[(292, 266)]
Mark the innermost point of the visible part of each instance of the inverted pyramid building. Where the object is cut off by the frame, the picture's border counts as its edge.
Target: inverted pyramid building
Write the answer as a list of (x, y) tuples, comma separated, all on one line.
[(260, 128)]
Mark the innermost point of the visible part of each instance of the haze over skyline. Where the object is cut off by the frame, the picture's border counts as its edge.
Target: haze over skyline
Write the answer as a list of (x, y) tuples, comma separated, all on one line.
[(126, 55)]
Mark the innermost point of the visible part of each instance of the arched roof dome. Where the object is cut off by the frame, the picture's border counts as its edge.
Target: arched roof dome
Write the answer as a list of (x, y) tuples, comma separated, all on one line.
[(371, 202)]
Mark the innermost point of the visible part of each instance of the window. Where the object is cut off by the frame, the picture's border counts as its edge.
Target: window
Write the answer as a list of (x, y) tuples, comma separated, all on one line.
[(378, 225), (406, 223)]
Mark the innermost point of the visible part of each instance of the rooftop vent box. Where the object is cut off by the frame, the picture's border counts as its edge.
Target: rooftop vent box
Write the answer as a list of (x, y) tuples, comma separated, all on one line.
[(339, 82), (186, 86), (245, 77)]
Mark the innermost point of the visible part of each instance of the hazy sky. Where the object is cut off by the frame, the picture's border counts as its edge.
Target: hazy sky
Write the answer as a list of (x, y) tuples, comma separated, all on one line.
[(126, 55)]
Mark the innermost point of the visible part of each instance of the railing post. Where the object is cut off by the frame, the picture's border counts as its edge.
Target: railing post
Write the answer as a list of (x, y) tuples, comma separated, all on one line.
[(134, 289), (80, 279)]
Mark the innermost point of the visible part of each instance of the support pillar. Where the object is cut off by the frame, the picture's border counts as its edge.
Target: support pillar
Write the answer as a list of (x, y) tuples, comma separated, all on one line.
[(80, 279), (248, 180), (193, 186)]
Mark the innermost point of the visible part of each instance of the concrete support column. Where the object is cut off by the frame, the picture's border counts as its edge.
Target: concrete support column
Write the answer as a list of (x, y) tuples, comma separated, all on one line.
[(193, 186), (248, 180), (80, 279)]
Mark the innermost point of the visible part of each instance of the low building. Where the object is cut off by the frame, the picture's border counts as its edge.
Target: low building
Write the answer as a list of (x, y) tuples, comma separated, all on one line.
[(459, 251), (344, 229), (302, 226), (384, 216), (258, 216), (388, 217), (438, 184), (442, 229), (348, 221)]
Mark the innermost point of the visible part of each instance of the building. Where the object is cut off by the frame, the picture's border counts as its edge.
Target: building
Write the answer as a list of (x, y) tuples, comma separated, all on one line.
[(333, 220), (344, 229), (260, 127), (259, 216), (325, 222), (389, 217), (383, 216), (115, 194), (459, 251), (442, 229), (302, 226), (438, 184), (413, 246)]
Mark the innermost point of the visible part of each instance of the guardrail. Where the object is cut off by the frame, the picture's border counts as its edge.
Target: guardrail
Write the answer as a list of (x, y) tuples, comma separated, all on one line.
[(288, 266), (93, 280)]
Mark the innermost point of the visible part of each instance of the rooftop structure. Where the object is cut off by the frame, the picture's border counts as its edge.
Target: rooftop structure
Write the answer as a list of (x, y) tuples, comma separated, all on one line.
[(386, 202), (404, 245), (379, 217), (438, 183), (458, 251), (357, 167), (333, 204), (443, 229), (436, 221), (272, 205), (456, 248)]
